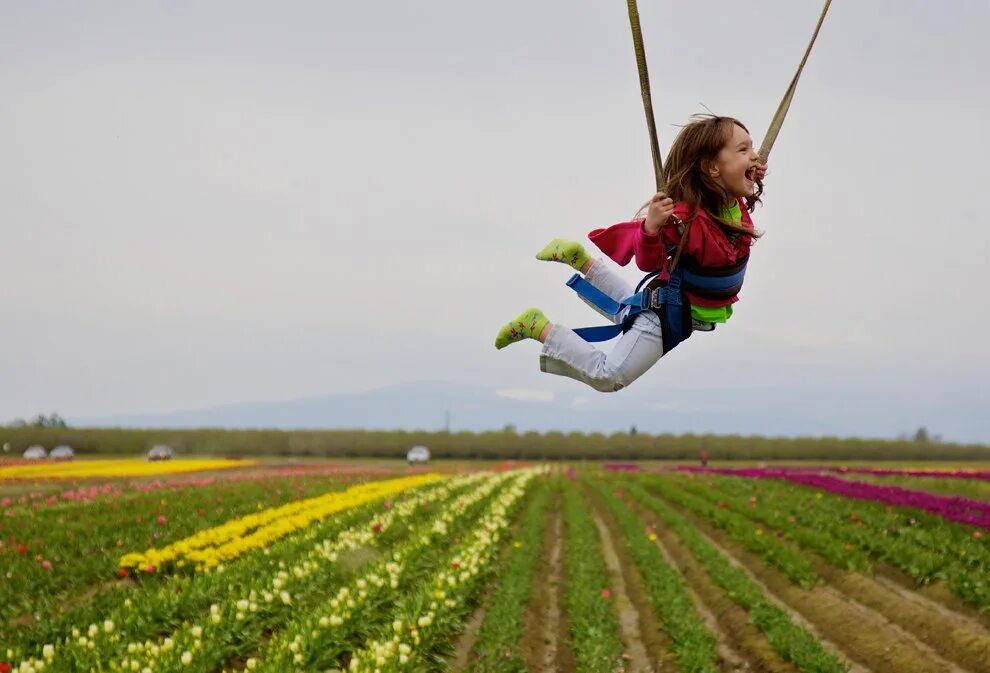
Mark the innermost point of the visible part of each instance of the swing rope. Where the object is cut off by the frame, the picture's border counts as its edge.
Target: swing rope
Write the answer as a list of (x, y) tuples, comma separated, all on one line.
[(644, 85), (785, 103)]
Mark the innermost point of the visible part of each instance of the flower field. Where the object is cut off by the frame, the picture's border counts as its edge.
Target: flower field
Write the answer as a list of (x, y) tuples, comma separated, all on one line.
[(109, 469), (529, 568)]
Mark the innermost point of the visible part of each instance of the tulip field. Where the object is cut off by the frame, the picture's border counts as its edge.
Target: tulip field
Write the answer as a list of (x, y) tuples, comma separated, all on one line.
[(223, 566)]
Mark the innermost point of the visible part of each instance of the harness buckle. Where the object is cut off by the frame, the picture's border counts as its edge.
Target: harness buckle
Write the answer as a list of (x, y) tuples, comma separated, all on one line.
[(656, 298)]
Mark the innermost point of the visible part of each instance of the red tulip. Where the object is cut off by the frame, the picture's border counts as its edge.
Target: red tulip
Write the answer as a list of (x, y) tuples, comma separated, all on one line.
[(123, 572), (606, 594), (46, 564)]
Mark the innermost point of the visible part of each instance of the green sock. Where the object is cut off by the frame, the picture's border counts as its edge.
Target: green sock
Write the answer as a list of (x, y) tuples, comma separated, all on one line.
[(526, 325), (571, 253)]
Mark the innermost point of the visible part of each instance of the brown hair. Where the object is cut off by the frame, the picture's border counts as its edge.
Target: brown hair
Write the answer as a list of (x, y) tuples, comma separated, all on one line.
[(698, 144)]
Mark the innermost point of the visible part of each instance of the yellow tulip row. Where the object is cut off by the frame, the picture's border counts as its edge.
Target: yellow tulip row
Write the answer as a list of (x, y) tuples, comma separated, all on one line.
[(116, 468), (210, 548)]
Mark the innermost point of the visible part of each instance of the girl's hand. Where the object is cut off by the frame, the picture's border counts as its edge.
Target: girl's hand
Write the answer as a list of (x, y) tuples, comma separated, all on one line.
[(658, 212), (761, 172)]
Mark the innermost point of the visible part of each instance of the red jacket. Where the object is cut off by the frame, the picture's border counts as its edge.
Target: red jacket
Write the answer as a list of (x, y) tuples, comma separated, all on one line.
[(707, 245)]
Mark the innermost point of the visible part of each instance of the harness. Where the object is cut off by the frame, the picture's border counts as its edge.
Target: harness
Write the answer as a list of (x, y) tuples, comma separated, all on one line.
[(664, 293)]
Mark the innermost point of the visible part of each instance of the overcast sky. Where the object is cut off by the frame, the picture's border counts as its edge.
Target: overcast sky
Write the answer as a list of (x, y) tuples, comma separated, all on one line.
[(211, 202)]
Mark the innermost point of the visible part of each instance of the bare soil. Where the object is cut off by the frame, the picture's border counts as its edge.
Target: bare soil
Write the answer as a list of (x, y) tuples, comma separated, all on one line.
[(544, 644), (647, 648), (859, 633), (741, 646)]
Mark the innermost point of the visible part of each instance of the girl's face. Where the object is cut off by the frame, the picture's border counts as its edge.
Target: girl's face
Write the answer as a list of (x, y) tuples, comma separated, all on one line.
[(735, 166)]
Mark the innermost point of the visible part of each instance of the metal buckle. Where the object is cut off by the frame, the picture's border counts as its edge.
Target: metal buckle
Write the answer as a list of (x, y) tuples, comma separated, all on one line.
[(656, 297)]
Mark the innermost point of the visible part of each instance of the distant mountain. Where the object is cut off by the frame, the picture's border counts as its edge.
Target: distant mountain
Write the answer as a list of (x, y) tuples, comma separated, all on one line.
[(422, 406), (425, 406)]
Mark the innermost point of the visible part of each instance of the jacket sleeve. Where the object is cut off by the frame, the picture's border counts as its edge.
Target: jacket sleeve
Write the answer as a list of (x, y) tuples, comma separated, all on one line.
[(623, 241)]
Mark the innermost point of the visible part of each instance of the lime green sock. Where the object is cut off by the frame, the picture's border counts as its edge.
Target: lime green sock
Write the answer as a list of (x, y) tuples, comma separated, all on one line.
[(571, 253), (526, 325)]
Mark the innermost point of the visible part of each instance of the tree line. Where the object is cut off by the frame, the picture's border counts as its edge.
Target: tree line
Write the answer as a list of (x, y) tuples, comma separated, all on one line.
[(506, 444)]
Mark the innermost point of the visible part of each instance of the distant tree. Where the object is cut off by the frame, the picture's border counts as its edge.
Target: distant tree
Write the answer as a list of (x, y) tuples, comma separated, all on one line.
[(52, 421), (921, 435)]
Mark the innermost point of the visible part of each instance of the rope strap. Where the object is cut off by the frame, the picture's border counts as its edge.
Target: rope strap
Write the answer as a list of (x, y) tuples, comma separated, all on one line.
[(785, 103), (644, 86)]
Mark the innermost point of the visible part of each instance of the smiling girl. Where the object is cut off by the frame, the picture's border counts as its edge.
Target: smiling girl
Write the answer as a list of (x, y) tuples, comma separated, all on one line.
[(696, 237)]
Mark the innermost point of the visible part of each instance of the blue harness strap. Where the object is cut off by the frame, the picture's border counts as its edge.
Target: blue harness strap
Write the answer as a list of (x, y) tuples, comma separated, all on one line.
[(604, 302), (666, 301)]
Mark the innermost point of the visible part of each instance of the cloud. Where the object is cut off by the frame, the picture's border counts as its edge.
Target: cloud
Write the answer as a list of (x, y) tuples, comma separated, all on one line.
[(527, 394)]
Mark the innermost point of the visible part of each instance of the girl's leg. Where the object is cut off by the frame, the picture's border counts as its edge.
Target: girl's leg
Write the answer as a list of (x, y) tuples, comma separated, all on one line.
[(594, 271), (567, 354), (609, 282)]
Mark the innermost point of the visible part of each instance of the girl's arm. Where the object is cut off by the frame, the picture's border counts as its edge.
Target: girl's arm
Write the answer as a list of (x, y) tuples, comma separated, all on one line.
[(623, 241), (639, 238)]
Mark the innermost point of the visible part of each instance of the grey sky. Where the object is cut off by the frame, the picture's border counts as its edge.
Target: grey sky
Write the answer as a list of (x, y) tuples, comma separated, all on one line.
[(203, 203)]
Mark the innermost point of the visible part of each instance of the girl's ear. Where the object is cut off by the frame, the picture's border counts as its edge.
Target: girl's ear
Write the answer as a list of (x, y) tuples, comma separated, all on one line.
[(710, 168)]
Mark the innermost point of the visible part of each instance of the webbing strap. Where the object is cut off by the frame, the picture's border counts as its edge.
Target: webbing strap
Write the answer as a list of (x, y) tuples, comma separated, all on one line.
[(785, 103), (644, 87), (604, 302), (644, 84), (597, 334)]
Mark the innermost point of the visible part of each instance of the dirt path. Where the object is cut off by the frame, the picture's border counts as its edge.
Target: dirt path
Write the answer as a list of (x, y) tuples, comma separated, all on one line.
[(634, 651), (641, 630), (860, 634), (741, 646), (544, 644), (954, 636), (465, 642), (937, 593)]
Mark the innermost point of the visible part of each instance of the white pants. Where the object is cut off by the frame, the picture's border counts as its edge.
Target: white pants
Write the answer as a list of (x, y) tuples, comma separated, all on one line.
[(567, 354)]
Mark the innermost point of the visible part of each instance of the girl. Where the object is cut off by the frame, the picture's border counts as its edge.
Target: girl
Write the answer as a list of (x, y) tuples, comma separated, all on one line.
[(714, 180)]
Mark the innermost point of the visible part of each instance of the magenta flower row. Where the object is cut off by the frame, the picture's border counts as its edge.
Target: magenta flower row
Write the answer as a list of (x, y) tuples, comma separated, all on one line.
[(951, 508)]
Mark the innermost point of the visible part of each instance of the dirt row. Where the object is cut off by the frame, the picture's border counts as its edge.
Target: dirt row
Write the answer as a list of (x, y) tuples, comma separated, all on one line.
[(545, 644), (876, 624), (646, 645)]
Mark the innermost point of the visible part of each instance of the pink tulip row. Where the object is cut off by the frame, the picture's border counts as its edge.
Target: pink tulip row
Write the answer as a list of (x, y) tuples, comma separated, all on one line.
[(88, 493), (952, 508), (981, 475)]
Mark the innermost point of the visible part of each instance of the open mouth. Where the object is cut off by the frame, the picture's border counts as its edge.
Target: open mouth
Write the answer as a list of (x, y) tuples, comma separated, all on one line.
[(751, 174)]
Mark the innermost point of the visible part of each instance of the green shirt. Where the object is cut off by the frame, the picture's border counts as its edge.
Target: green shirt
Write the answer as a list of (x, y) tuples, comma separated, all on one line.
[(718, 313)]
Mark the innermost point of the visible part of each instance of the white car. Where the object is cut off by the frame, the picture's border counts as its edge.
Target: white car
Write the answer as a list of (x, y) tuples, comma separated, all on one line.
[(62, 452), (35, 452), (160, 452), (418, 454)]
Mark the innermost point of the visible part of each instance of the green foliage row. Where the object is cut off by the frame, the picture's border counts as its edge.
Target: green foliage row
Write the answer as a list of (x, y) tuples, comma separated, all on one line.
[(768, 512), (83, 542), (926, 547), (417, 546), (160, 604), (792, 563), (484, 445), (792, 642), (497, 647), (693, 643), (593, 624)]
